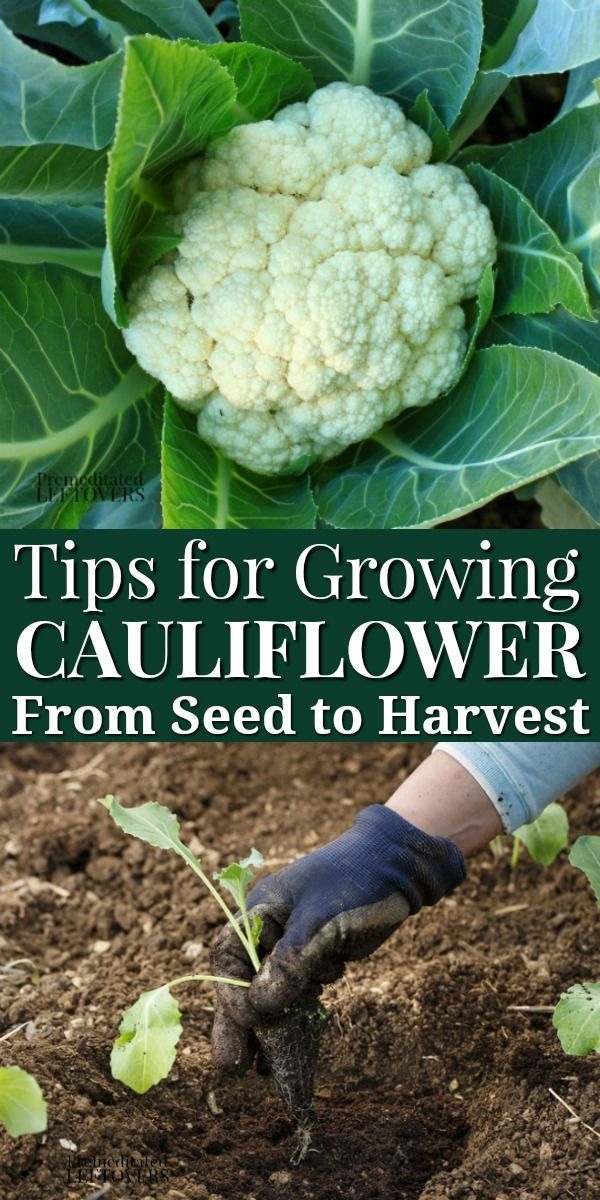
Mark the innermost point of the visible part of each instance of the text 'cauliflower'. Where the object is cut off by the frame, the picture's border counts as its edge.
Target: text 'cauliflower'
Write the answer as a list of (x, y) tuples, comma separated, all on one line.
[(317, 288)]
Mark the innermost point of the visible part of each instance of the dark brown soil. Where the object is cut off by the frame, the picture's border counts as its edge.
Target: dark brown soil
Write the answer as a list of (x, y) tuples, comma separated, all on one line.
[(431, 1086)]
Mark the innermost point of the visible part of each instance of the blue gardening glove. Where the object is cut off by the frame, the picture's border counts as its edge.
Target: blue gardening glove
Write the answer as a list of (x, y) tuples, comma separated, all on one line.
[(336, 904)]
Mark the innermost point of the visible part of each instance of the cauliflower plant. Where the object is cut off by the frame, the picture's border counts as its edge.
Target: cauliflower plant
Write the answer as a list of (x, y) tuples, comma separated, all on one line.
[(317, 288)]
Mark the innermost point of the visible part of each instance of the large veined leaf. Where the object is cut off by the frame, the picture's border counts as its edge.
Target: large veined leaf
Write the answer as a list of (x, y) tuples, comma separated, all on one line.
[(170, 18), (114, 514), (497, 15), (203, 490), (174, 98), (56, 123), (22, 1105), (72, 399), (557, 331), (265, 80), (559, 35), (571, 499), (52, 233), (44, 101), (528, 37), (582, 87), (397, 49), (145, 1050), (535, 272), (581, 480), (557, 169), (511, 419), (503, 22), (53, 174), (80, 15), (577, 1019), (59, 24), (585, 855), (558, 507)]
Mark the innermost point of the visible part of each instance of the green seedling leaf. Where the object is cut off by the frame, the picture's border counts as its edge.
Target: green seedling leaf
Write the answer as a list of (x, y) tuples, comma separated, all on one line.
[(145, 1050), (535, 272), (585, 855), (509, 421), (15, 966), (376, 43), (152, 823), (237, 877), (577, 1019), (546, 836), (72, 399), (52, 233), (203, 490), (158, 826), (22, 1105)]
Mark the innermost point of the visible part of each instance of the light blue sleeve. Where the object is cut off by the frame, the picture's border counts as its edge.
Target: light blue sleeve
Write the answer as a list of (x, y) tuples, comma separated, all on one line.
[(521, 778)]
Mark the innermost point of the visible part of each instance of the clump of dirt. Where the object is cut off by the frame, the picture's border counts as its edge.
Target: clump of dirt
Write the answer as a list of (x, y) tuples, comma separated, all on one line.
[(290, 1048), (431, 1084)]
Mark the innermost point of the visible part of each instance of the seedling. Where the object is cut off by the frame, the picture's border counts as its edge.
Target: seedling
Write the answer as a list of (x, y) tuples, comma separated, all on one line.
[(22, 1105), (146, 1048), (544, 838), (577, 1014), (15, 967)]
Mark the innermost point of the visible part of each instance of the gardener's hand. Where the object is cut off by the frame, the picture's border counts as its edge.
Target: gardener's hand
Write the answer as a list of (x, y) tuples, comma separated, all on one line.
[(337, 904)]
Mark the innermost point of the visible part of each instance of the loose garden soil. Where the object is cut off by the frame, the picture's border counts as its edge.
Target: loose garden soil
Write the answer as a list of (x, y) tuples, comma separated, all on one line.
[(430, 1086)]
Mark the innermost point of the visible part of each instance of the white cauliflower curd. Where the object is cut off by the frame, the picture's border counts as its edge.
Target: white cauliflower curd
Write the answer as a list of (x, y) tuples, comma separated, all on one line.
[(317, 288)]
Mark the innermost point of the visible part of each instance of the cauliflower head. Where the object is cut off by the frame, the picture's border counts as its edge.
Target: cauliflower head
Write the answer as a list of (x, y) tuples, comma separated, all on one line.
[(316, 291)]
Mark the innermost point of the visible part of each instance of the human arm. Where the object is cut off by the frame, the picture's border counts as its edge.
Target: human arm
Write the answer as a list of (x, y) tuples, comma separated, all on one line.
[(340, 902), (521, 778)]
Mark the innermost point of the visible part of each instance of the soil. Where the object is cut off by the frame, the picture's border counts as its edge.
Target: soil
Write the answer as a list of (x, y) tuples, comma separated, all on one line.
[(430, 1084)]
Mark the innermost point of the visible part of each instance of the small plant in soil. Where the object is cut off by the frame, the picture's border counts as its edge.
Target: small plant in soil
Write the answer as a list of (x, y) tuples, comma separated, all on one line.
[(150, 1030), (577, 1014), (22, 1105), (543, 838)]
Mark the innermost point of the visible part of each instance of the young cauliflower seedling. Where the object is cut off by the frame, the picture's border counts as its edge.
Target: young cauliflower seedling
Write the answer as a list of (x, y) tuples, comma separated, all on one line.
[(318, 285)]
